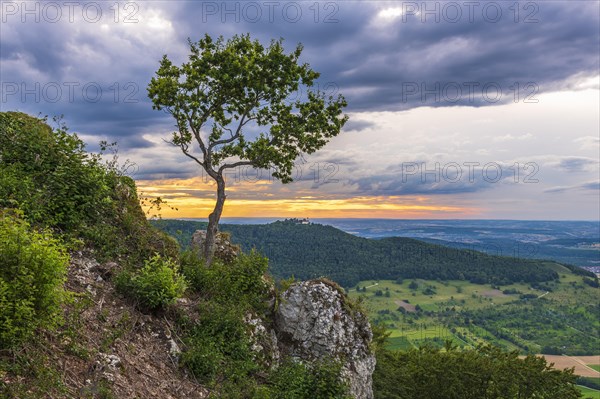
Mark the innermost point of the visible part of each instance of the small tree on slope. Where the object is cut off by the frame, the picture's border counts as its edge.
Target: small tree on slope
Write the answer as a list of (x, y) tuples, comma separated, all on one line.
[(229, 87)]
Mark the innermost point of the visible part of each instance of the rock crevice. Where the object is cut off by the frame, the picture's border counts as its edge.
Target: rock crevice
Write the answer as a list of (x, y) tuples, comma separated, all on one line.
[(314, 321)]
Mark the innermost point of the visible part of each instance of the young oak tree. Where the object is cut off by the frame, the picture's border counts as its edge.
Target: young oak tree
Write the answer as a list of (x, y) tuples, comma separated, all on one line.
[(231, 103)]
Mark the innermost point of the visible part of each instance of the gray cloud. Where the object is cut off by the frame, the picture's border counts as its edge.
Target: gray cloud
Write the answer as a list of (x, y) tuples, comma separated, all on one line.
[(431, 178), (594, 186), (376, 65), (354, 125), (576, 164), (588, 186)]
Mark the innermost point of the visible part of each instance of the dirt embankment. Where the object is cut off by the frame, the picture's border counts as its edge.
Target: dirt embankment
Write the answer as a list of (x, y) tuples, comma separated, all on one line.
[(131, 353)]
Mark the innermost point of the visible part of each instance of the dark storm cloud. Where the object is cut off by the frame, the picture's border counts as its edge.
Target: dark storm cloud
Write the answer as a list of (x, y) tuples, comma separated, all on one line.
[(443, 64), (378, 65), (358, 125)]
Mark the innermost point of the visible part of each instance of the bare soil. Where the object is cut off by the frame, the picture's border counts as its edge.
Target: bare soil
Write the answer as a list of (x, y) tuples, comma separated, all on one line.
[(492, 294), (109, 345), (409, 307), (579, 362)]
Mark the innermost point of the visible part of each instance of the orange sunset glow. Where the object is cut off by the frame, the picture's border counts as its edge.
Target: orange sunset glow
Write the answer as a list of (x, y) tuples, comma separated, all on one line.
[(194, 198)]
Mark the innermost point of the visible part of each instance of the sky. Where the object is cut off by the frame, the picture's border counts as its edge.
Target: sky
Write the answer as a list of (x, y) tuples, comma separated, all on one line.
[(474, 109)]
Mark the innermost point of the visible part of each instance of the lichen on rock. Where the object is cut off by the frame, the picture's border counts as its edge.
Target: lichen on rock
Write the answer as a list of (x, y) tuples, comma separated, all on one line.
[(315, 322), (263, 340)]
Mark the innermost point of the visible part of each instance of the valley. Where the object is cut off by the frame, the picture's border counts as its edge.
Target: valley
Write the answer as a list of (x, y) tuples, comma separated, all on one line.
[(419, 312)]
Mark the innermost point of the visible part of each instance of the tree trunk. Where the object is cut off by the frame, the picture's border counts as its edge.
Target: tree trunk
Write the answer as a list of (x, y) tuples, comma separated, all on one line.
[(213, 222)]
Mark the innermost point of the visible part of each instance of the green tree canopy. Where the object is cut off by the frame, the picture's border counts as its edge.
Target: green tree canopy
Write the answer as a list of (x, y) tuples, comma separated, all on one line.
[(231, 103), (483, 373)]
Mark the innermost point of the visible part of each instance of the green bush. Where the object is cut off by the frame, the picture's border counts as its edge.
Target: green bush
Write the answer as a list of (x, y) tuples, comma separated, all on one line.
[(318, 380), (218, 353), (157, 284), (242, 281), (218, 345), (33, 266), (48, 175), (63, 186)]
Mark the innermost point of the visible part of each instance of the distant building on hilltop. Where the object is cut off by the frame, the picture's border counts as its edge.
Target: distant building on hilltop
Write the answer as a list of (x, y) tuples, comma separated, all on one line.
[(298, 221)]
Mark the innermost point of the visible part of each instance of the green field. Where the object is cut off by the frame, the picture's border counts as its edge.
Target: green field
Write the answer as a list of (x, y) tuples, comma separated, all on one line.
[(594, 366), (558, 317), (589, 393)]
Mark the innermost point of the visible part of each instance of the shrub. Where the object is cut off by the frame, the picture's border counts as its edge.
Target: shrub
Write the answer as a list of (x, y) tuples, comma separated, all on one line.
[(48, 175), (242, 281), (319, 380), (157, 284), (71, 189), (33, 266), (218, 344), (528, 296)]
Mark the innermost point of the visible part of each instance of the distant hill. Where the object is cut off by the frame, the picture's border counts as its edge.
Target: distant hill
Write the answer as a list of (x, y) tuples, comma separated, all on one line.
[(312, 250)]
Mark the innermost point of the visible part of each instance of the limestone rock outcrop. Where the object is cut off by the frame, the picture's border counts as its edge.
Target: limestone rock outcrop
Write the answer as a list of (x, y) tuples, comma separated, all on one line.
[(315, 321)]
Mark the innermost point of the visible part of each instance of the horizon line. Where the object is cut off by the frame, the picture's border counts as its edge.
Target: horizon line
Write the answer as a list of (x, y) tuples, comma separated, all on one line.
[(379, 218)]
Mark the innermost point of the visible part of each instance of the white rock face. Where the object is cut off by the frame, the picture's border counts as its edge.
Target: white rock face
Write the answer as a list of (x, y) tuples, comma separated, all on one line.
[(264, 340), (313, 322)]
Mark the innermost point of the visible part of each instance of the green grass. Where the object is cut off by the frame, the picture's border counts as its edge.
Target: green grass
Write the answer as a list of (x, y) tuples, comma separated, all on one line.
[(399, 343), (442, 304), (589, 393), (594, 366)]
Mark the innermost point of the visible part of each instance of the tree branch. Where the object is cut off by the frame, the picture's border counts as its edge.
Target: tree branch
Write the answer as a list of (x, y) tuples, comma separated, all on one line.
[(197, 135), (184, 149), (233, 136), (234, 165)]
